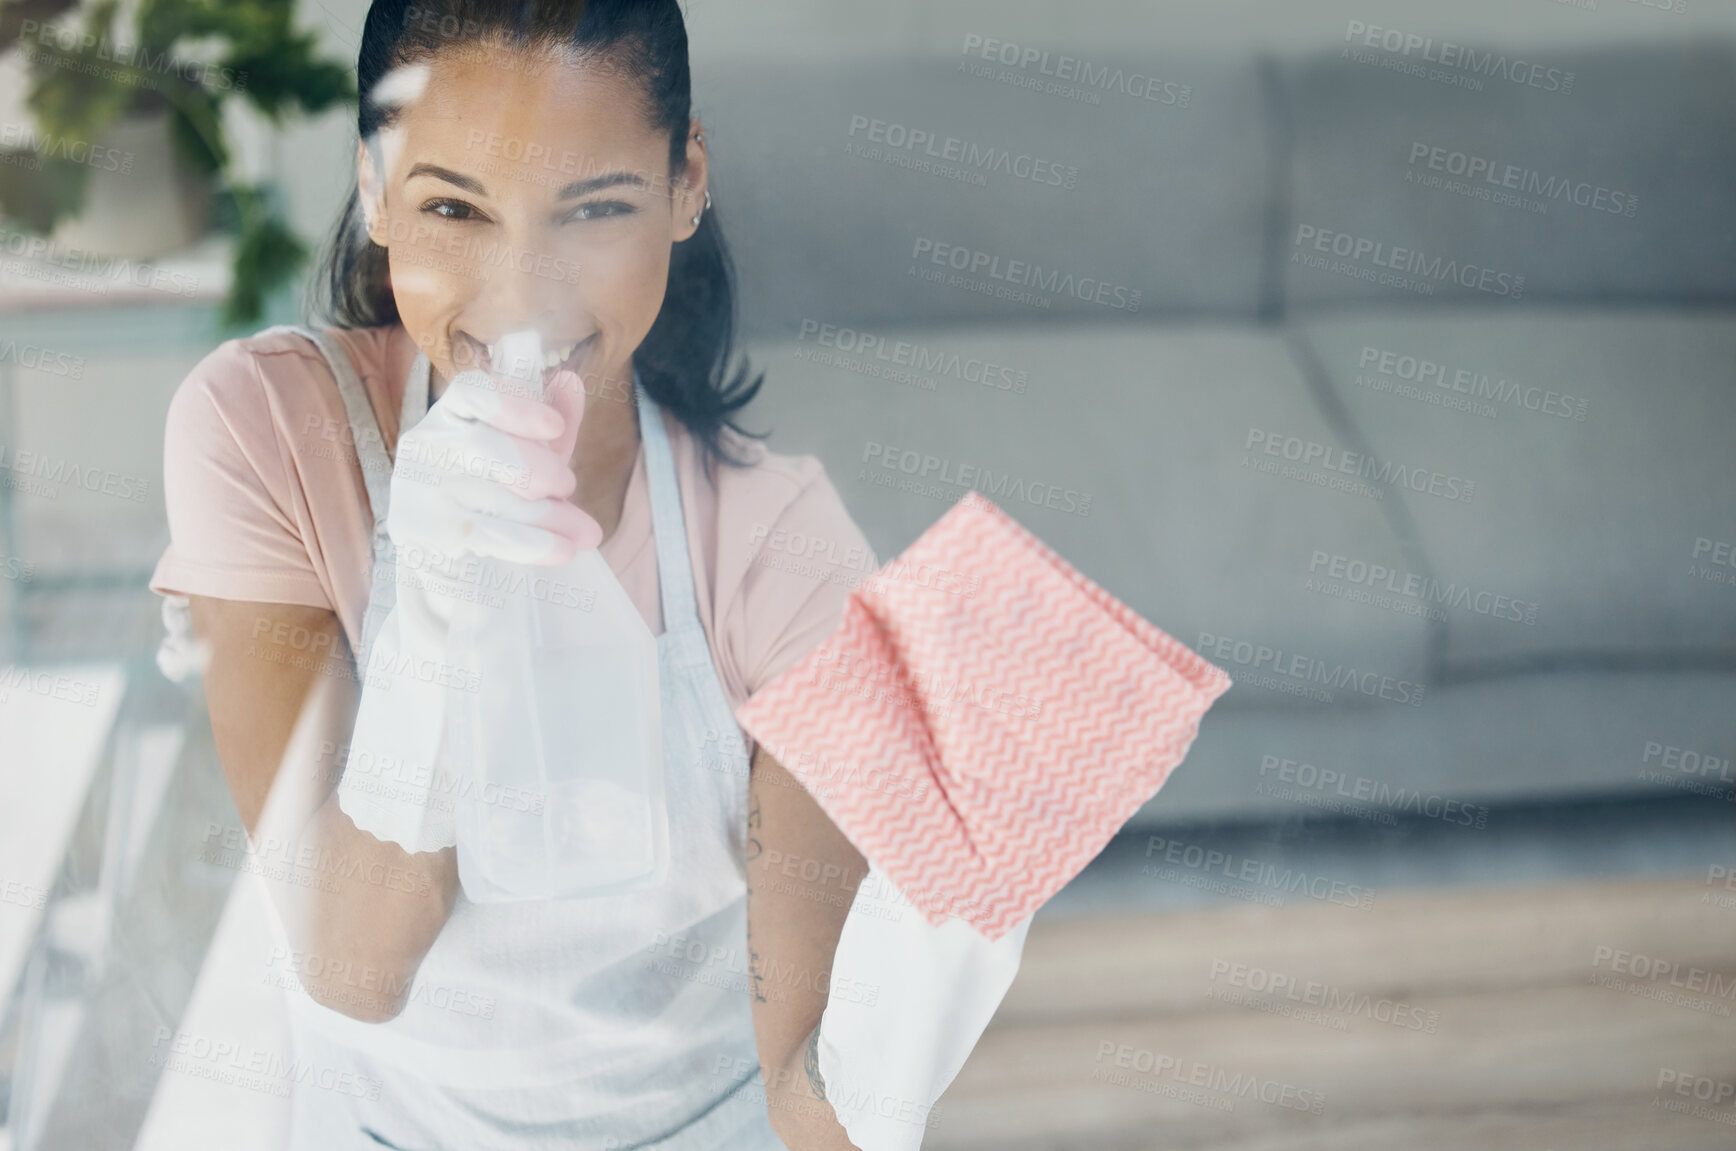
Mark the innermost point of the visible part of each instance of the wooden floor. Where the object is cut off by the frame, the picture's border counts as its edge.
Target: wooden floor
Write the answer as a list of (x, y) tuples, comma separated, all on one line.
[(1528, 1051)]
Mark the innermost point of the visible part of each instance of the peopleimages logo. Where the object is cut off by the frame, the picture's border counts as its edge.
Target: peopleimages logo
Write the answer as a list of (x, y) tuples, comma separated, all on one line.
[(17, 570), (18, 467), (811, 547), (78, 46), (1714, 561), (1259, 873), (1704, 1088), (226, 1061), (1717, 876), (1307, 669), (42, 359), (1457, 61), (1022, 273), (50, 254), (917, 357), (1639, 966), (1005, 488), (1718, 551), (1192, 1072), (976, 159), (1428, 589), (1312, 453), (1327, 996), (1687, 769), (366, 984), (471, 255), (466, 576), (48, 146), (1074, 70), (1468, 384), (1489, 178), (1324, 788), (1370, 259), (23, 894)]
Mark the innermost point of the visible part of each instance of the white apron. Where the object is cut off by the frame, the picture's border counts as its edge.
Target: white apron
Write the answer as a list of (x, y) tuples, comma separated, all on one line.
[(616, 1022)]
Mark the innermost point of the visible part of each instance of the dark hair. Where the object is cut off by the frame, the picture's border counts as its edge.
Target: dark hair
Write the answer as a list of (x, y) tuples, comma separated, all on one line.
[(684, 360)]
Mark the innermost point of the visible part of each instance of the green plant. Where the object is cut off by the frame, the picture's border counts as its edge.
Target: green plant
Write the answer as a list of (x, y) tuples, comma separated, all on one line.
[(184, 58)]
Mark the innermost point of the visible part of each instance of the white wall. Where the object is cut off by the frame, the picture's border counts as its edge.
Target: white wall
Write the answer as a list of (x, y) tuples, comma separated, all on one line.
[(834, 28)]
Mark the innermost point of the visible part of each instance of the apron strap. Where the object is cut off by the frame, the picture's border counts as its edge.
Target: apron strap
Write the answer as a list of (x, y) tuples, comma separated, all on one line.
[(674, 568), (365, 432), (416, 393)]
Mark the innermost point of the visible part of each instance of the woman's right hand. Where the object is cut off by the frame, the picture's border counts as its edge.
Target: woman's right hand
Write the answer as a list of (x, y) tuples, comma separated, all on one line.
[(487, 472), (484, 473)]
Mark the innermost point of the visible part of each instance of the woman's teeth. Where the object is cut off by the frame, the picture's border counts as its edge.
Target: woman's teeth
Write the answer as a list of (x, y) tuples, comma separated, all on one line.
[(551, 358), (557, 355)]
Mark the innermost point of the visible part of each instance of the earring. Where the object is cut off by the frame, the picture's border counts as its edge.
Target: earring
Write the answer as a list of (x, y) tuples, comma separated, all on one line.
[(703, 210)]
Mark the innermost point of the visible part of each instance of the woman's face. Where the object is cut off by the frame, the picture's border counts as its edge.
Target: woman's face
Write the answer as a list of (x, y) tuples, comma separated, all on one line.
[(524, 191)]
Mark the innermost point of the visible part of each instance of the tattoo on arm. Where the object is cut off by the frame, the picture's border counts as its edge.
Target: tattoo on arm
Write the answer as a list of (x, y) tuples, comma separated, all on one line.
[(811, 1064), (753, 826), (753, 851)]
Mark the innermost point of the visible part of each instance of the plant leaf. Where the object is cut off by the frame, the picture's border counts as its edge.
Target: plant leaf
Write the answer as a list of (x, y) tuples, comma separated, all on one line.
[(41, 197), (14, 14), (267, 256), (75, 94)]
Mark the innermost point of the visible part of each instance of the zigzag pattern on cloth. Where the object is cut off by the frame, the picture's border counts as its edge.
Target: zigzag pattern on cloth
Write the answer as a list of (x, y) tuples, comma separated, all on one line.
[(981, 750)]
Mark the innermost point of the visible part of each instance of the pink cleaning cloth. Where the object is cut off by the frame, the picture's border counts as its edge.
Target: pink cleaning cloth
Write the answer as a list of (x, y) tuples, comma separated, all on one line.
[(984, 718)]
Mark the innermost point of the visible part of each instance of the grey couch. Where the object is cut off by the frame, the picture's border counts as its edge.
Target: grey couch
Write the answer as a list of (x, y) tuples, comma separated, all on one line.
[(1411, 403)]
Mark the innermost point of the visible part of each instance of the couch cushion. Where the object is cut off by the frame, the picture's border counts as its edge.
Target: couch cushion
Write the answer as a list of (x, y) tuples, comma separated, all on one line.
[(1518, 739), (1128, 452), (1610, 175), (1601, 524), (841, 185)]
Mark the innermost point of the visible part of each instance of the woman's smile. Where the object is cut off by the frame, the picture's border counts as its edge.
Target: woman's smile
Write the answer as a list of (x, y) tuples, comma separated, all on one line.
[(569, 354)]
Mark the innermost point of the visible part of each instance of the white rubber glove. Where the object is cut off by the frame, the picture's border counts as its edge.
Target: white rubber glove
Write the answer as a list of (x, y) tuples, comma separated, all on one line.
[(485, 474), (925, 995)]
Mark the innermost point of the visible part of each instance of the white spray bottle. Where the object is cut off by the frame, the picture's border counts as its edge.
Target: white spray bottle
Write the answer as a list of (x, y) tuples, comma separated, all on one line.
[(562, 740)]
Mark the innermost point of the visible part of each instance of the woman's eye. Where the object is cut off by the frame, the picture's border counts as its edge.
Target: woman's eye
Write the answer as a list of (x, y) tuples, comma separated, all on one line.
[(450, 209), (602, 210)]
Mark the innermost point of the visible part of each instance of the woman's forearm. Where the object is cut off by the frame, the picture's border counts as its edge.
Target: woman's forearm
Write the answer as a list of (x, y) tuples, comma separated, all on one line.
[(370, 918), (802, 874), (362, 913)]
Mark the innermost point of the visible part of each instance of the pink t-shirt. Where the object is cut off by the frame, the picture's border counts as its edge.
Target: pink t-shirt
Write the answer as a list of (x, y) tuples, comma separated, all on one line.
[(266, 502)]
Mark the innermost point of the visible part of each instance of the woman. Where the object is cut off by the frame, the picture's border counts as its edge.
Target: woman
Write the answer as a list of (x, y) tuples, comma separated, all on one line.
[(521, 165)]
